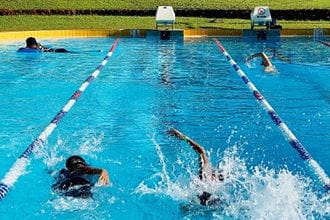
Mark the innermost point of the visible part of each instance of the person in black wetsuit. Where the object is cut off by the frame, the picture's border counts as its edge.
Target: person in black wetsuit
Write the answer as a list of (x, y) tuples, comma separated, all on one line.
[(206, 171), (75, 180), (31, 43)]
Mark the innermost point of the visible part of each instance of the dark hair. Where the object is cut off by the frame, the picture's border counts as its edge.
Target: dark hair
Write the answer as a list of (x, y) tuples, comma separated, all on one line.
[(204, 198), (31, 41), (73, 162), (221, 177)]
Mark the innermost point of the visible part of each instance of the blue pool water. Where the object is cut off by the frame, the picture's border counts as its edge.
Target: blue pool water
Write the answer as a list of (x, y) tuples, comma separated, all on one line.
[(149, 86)]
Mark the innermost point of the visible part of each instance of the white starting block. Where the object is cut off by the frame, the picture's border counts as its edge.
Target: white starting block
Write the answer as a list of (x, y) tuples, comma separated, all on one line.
[(165, 16), (261, 16)]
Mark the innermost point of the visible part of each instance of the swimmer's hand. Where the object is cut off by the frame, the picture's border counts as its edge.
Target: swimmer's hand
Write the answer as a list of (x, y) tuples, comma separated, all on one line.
[(104, 178), (248, 59), (270, 69), (177, 133)]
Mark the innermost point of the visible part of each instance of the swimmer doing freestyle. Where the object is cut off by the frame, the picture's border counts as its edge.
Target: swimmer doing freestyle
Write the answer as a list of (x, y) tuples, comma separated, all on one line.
[(76, 180), (206, 172), (269, 67)]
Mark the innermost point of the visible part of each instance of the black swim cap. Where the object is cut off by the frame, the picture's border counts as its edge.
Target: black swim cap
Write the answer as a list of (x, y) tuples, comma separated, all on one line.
[(73, 161), (31, 41), (204, 198)]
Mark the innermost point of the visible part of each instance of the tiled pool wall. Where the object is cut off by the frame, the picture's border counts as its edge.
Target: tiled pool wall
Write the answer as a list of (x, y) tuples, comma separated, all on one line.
[(17, 35)]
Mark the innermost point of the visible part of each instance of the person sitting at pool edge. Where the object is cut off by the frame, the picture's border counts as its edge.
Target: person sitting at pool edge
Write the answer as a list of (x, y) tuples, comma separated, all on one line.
[(265, 61), (33, 45), (206, 171), (77, 179)]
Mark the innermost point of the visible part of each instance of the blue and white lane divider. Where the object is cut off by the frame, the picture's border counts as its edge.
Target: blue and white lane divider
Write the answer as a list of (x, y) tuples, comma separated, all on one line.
[(324, 43), (295, 143), (19, 166)]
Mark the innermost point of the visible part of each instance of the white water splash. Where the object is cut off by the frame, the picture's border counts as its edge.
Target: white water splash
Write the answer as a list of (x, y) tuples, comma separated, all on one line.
[(91, 144), (260, 193), (73, 204), (49, 154), (250, 64)]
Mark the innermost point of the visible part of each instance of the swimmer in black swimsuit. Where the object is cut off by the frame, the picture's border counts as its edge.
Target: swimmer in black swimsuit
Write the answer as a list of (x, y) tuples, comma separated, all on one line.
[(31, 43), (74, 180), (206, 171)]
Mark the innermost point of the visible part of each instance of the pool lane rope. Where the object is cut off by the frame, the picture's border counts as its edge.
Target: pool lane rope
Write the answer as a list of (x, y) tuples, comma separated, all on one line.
[(324, 43), (18, 168), (294, 142)]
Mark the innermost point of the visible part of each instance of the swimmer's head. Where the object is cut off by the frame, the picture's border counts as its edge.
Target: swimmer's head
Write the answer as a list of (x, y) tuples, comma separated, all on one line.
[(74, 162), (207, 199), (217, 176), (31, 42), (204, 198)]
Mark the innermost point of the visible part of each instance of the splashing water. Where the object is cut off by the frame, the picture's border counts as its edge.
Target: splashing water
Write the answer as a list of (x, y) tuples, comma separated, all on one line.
[(250, 64), (164, 185), (257, 193), (52, 155), (72, 204), (91, 144)]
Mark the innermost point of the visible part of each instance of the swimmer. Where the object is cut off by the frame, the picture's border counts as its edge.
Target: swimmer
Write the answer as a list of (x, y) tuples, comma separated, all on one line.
[(76, 179), (265, 61), (31, 43), (206, 171)]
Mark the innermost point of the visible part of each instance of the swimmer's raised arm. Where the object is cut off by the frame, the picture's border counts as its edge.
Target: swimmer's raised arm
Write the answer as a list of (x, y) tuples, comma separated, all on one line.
[(262, 55), (199, 149), (265, 61), (253, 56)]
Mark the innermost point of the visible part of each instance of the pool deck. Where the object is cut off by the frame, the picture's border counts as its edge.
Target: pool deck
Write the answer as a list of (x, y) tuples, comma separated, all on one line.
[(19, 35)]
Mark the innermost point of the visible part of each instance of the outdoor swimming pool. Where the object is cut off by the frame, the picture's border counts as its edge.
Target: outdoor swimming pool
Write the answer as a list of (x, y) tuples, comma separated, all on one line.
[(147, 87)]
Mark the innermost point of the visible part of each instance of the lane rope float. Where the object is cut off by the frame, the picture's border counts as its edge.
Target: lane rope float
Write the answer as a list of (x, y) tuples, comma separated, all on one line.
[(286, 132), (18, 168), (324, 43)]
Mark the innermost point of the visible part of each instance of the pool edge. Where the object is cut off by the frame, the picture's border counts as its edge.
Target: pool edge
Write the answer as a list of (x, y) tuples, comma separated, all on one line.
[(82, 33)]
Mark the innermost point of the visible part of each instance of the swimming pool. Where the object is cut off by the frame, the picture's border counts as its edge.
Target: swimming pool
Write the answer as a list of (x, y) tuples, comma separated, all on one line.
[(149, 86)]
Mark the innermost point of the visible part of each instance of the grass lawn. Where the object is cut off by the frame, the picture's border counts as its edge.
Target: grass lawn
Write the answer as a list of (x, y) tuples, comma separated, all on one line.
[(28, 22), (152, 4)]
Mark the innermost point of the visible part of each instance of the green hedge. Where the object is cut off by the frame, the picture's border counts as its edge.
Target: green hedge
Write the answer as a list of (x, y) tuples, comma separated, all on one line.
[(152, 4), (19, 23)]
